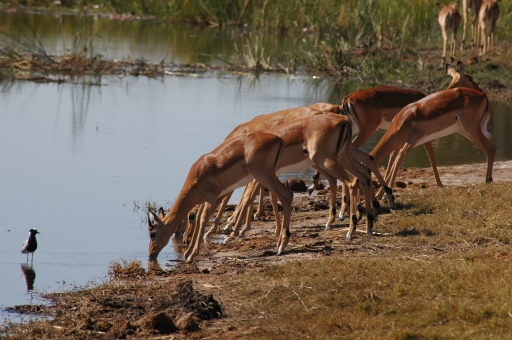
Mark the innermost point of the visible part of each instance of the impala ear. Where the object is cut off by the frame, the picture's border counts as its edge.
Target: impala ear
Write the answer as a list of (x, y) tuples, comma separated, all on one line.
[(149, 220), (161, 212), (460, 67), (450, 70), (155, 217)]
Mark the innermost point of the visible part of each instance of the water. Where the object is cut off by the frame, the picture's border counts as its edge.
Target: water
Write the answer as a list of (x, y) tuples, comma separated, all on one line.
[(76, 160)]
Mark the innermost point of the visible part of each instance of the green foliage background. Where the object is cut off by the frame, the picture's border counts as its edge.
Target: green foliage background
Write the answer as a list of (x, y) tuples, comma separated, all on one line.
[(355, 21)]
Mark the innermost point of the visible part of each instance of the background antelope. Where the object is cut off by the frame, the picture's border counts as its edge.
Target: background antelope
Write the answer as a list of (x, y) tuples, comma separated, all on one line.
[(488, 15), (470, 7), (449, 19)]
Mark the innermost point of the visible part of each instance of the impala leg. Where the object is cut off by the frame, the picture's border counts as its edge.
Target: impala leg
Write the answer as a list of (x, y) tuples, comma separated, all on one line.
[(474, 32), (248, 214), (192, 225), (357, 202), (353, 186), (237, 214), (430, 154), (261, 204), (197, 239), (344, 200), (332, 200), (275, 208), (482, 49), (215, 227), (363, 173), (443, 32), (316, 180), (338, 170), (477, 136), (465, 21), (245, 207), (367, 160), (401, 156), (392, 158), (452, 45), (285, 196)]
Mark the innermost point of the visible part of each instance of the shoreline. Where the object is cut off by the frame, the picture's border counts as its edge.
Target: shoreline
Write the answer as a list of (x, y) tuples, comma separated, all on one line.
[(133, 292)]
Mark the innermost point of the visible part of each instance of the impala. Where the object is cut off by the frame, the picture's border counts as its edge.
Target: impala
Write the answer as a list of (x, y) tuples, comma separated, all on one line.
[(232, 164), (489, 13), (473, 7), (463, 109), (449, 19)]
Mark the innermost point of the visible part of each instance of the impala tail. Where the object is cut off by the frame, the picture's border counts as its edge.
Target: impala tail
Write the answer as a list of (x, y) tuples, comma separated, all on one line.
[(348, 110), (345, 139), (485, 119)]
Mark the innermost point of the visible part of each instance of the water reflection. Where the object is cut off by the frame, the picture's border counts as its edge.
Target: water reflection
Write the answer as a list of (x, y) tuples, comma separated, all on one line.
[(29, 274), (143, 39), (178, 245)]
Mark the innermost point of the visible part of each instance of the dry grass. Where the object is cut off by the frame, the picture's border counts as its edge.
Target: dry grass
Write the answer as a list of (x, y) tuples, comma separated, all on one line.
[(124, 269), (444, 273)]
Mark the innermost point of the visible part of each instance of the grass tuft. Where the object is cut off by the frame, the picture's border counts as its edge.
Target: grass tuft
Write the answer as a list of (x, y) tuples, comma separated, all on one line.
[(124, 269)]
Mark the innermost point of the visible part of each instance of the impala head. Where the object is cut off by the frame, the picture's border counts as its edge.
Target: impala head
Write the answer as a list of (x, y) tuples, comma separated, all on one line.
[(158, 235), (461, 79), (190, 225)]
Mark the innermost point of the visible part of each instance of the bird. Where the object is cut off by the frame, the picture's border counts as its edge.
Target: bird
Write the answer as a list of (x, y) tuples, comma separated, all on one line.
[(30, 244)]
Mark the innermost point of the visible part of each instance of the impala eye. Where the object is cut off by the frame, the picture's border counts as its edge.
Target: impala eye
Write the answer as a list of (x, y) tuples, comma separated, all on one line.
[(470, 79), (152, 235)]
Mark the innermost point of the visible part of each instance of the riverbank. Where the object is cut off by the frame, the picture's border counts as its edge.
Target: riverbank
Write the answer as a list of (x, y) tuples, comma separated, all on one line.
[(438, 266), (339, 61)]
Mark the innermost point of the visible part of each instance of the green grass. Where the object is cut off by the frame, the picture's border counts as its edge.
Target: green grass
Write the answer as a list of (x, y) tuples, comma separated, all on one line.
[(354, 21)]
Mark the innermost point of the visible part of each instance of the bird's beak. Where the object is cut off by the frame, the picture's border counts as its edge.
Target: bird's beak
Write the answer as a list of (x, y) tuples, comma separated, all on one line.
[(37, 232)]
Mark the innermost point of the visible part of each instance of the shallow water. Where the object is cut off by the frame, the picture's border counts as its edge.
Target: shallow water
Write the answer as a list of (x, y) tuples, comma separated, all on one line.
[(76, 161)]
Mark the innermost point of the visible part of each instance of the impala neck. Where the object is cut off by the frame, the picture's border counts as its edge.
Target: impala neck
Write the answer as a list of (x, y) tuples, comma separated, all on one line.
[(185, 202)]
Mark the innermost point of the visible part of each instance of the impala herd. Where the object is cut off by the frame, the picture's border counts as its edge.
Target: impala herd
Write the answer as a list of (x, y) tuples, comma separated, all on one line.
[(255, 153), (484, 16)]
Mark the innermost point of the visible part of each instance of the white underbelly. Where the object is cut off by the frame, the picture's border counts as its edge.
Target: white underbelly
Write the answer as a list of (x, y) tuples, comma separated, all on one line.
[(456, 127), (303, 165), (242, 182), (384, 125)]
